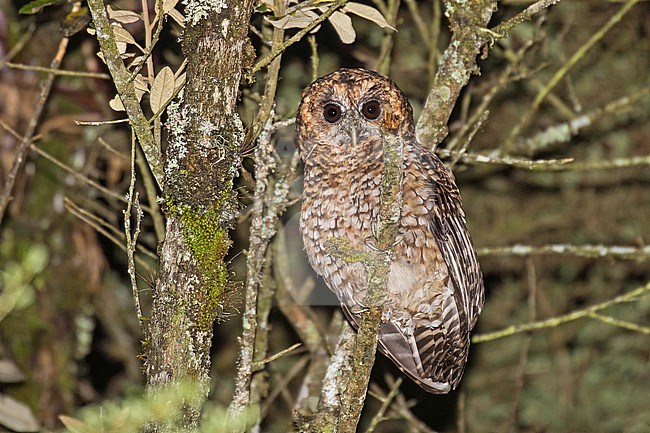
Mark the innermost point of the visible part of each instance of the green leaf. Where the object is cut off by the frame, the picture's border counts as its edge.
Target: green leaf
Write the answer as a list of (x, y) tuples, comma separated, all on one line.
[(36, 5)]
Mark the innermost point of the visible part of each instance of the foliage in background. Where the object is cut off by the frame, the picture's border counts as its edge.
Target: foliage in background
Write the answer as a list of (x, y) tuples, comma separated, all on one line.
[(550, 145)]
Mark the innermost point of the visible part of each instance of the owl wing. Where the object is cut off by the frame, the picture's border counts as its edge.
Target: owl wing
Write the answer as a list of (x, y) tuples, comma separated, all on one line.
[(443, 349), (450, 231)]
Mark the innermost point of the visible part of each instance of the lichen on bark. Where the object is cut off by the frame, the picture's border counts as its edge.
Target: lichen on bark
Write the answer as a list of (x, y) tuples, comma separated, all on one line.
[(202, 159)]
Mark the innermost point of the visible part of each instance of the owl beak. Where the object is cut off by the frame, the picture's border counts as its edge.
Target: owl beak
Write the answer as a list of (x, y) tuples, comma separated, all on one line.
[(352, 131)]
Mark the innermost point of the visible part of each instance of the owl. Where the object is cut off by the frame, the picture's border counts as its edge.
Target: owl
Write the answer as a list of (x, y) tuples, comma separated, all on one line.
[(435, 287)]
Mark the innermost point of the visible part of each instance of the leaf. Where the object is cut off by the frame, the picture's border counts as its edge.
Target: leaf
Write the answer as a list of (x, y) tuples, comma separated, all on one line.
[(141, 86), (343, 26), (134, 61), (9, 372), (121, 48), (162, 89), (168, 6), (369, 13), (116, 103), (37, 5), (299, 19), (16, 415), (123, 16), (122, 35), (76, 426), (177, 16)]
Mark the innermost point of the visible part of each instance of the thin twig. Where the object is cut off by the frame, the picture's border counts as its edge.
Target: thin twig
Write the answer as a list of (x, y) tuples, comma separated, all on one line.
[(563, 132), (388, 40), (150, 42), (590, 251), (315, 60), (553, 322), (502, 29), (105, 228), (560, 73), (80, 176), (609, 164), (502, 81), (23, 147), (527, 164), (100, 122), (402, 408), (133, 203), (264, 62), (20, 44), (270, 88), (420, 25), (525, 349), (259, 364), (436, 27), (476, 126), (282, 384), (620, 323), (385, 403), (56, 72)]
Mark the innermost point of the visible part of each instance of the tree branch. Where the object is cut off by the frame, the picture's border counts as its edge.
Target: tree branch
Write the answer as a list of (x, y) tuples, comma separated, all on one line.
[(590, 251), (264, 62), (560, 73), (126, 88), (468, 21), (560, 320)]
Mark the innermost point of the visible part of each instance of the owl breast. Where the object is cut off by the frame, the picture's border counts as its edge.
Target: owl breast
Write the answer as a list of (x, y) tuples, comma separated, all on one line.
[(346, 206)]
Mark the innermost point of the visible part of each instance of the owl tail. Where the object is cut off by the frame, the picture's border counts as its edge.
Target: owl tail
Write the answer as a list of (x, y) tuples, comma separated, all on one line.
[(404, 353), (430, 357)]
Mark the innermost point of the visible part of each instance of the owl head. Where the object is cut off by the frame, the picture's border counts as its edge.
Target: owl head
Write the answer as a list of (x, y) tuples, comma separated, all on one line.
[(349, 109)]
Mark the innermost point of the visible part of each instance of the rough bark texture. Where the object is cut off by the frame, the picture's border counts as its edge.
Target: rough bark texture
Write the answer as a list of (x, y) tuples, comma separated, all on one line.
[(200, 204), (468, 22)]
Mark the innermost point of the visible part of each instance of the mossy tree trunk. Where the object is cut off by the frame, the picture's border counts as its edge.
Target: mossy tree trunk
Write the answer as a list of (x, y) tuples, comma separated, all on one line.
[(202, 159)]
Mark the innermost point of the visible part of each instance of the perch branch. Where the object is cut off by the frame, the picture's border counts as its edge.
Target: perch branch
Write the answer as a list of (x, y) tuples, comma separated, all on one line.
[(378, 266)]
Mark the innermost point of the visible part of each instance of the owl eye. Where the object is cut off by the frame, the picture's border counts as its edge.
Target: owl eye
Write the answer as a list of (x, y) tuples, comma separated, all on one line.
[(332, 112), (371, 110)]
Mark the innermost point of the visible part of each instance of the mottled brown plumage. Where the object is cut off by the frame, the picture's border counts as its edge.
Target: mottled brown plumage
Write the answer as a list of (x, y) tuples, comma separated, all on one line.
[(435, 287)]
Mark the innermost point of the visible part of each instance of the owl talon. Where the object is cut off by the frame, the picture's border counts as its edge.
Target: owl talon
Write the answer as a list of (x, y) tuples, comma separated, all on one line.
[(369, 242)]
